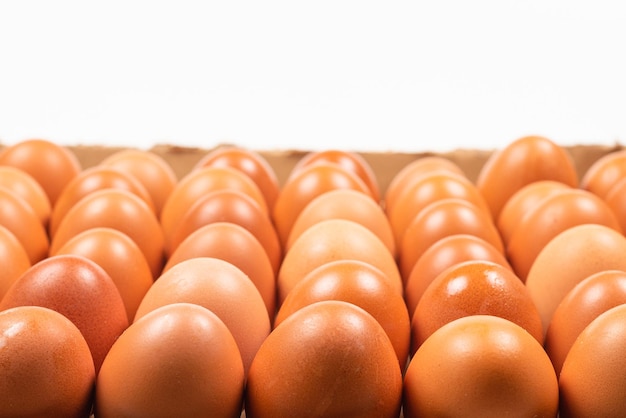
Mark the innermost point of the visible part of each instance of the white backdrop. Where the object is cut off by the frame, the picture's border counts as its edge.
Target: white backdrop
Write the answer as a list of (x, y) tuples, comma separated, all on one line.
[(363, 75)]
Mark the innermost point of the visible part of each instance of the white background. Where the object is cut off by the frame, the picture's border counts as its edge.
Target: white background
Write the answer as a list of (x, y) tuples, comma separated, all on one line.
[(361, 75)]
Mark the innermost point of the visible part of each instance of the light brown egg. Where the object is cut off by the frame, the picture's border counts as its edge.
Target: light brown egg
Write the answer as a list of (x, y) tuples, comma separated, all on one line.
[(474, 287), (304, 186), (345, 204), (360, 283), (120, 257), (248, 161), (521, 162), (90, 180), (50, 164), (604, 173), (443, 254), (588, 299), (548, 218), (330, 240), (480, 365), (156, 175), (220, 287), (177, 361), (569, 258), (47, 370), (237, 245), (616, 201), (330, 358), (13, 259), (592, 378), (442, 218), (25, 186), (118, 209)]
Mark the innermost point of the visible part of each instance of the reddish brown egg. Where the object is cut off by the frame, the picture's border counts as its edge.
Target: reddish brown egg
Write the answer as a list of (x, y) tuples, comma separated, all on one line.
[(197, 184), (345, 204), (330, 240), (616, 201), (19, 218), (90, 180), (481, 365), (220, 287), (530, 158), (50, 164), (47, 370), (570, 257), (237, 245), (588, 299), (591, 382), (178, 360), (79, 289), (442, 218), (156, 175), (604, 173), (474, 287), (13, 259), (118, 209), (304, 186), (251, 163), (360, 283), (25, 186), (443, 254), (234, 206), (330, 358), (120, 257), (548, 218)]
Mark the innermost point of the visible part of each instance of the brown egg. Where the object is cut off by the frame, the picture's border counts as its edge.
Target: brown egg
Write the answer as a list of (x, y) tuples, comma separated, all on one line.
[(443, 254), (522, 202), (234, 206), (47, 370), (480, 365), (330, 358), (588, 299), (220, 287), (120, 257), (604, 173), (198, 183), (156, 175), (330, 240), (427, 190), (178, 360), (79, 289), (591, 382), (413, 172), (360, 283), (548, 218), (345, 204), (19, 218), (50, 164), (251, 163), (90, 180), (442, 218), (350, 161), (304, 186), (570, 257), (530, 158), (13, 259), (118, 209), (25, 186), (616, 201), (474, 287), (237, 245)]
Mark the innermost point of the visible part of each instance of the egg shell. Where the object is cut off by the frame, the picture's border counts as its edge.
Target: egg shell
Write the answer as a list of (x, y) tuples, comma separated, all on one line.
[(591, 382), (588, 299), (178, 360), (330, 240), (604, 173), (222, 288), (25, 186), (480, 365), (330, 358), (13, 259), (616, 201), (531, 158), (54, 379), (79, 289), (569, 258)]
